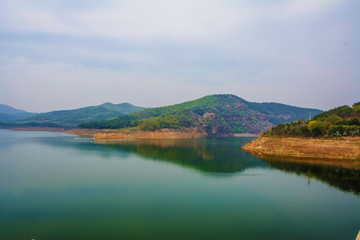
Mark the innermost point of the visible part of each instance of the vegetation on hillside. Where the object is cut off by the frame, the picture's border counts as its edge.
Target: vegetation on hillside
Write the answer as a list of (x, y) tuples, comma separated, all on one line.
[(216, 114), (337, 122), (15, 124), (82, 115)]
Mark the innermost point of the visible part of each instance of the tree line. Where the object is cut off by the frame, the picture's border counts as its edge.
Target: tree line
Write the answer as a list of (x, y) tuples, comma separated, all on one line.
[(337, 122)]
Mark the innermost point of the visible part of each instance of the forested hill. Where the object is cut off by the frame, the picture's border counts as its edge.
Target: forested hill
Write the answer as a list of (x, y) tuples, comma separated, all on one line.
[(337, 122), (216, 114), (82, 115), (8, 113)]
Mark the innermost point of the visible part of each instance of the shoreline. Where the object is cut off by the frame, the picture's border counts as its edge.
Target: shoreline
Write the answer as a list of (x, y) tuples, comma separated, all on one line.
[(49, 129), (343, 152), (138, 134), (245, 135), (166, 133)]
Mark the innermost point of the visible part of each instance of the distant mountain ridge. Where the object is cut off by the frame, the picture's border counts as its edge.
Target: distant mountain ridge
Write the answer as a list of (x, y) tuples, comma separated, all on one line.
[(8, 113), (85, 114), (216, 114)]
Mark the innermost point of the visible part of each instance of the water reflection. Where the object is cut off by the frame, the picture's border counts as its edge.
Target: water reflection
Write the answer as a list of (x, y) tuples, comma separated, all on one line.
[(211, 156), (347, 180), (58, 186), (215, 156), (224, 155)]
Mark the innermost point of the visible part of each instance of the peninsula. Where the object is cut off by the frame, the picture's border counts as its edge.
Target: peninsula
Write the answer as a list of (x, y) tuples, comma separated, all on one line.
[(332, 138)]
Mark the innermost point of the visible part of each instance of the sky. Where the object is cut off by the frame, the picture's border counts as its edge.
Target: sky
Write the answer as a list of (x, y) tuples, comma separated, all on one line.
[(65, 54)]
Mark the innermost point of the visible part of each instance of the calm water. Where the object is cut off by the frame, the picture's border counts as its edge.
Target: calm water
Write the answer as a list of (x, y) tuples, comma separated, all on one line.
[(58, 186)]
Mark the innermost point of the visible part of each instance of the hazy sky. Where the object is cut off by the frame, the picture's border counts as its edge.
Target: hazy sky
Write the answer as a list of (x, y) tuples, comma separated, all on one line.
[(66, 54)]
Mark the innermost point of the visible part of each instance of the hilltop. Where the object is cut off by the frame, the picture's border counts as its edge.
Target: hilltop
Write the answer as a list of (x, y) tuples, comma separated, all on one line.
[(215, 115), (8, 113), (71, 118)]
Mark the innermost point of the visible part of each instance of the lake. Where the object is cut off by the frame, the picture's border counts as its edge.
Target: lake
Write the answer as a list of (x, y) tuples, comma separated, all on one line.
[(60, 186)]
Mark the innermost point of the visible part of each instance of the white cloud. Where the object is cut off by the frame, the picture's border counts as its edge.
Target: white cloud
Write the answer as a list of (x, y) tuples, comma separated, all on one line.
[(118, 56), (76, 53), (31, 16), (127, 19), (308, 7)]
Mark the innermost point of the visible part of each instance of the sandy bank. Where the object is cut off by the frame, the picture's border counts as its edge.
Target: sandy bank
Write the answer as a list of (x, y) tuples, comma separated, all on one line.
[(245, 135), (343, 152), (138, 134)]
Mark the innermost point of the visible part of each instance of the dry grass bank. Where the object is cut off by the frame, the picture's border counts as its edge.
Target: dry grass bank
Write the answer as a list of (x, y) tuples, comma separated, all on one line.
[(138, 134), (245, 135), (343, 151)]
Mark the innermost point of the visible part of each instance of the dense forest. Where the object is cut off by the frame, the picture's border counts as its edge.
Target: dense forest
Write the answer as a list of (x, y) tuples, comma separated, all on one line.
[(216, 114), (337, 122)]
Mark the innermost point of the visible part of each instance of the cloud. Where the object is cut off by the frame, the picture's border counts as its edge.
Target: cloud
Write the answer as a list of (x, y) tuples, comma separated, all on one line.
[(132, 20), (308, 7), (181, 20), (31, 16), (151, 53)]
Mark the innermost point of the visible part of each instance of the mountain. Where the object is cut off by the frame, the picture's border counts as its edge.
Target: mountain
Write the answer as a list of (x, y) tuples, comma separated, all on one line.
[(337, 122), (8, 113), (215, 114), (82, 115)]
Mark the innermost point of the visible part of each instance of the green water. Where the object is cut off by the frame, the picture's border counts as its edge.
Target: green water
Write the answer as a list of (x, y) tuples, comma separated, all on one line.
[(58, 186)]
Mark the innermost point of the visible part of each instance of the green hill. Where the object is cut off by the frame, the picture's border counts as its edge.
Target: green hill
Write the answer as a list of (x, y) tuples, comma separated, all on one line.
[(337, 122), (216, 114), (8, 113), (82, 115)]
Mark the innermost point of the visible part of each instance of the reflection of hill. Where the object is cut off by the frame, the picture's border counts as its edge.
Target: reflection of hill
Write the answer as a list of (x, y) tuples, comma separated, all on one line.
[(347, 180), (217, 155), (207, 155)]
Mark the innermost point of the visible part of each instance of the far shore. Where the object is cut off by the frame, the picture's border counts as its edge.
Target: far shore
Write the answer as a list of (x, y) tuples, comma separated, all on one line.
[(132, 133), (245, 135), (49, 129), (138, 134), (344, 151)]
